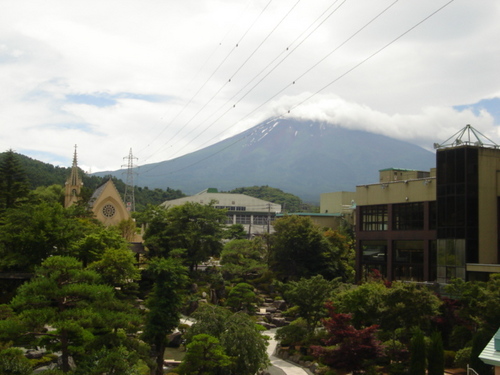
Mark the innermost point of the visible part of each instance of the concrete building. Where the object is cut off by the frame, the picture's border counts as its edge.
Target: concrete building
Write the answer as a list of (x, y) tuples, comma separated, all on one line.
[(256, 215), (434, 225)]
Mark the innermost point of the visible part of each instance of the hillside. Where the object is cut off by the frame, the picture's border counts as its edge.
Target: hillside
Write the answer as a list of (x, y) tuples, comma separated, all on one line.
[(43, 174), (303, 158)]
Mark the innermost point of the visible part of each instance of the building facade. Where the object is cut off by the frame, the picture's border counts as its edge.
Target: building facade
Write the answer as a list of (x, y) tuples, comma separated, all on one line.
[(434, 226)]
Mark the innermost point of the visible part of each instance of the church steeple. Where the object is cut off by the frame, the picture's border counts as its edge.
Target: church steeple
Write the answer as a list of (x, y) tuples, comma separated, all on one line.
[(73, 184)]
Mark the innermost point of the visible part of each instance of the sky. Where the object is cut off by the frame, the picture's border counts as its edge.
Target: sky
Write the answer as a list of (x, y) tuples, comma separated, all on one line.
[(157, 79)]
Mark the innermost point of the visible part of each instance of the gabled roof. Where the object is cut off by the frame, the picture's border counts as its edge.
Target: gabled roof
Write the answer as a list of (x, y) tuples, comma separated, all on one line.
[(97, 192), (491, 353)]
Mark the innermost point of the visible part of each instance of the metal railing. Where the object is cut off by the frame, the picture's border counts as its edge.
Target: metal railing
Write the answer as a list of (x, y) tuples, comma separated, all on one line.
[(471, 371)]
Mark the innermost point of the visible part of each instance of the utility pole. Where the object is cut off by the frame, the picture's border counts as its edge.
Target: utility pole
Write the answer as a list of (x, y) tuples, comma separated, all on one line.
[(268, 218), (128, 197)]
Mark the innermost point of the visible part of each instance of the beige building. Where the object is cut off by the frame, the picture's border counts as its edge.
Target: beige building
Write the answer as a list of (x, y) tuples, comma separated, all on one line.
[(432, 225), (256, 215), (106, 202), (73, 185)]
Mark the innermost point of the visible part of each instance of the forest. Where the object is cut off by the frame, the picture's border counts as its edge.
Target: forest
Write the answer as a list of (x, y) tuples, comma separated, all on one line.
[(75, 299)]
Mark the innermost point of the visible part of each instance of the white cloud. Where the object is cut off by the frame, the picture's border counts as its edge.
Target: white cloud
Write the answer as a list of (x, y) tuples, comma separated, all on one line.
[(185, 52)]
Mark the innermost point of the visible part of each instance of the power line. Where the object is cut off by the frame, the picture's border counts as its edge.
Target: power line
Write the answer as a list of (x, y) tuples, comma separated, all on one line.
[(211, 75), (268, 73), (196, 75), (318, 91)]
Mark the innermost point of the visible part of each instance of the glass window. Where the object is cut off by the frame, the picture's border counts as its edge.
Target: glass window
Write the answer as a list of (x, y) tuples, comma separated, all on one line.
[(409, 252), (243, 219), (374, 218), (408, 216), (374, 251), (260, 219)]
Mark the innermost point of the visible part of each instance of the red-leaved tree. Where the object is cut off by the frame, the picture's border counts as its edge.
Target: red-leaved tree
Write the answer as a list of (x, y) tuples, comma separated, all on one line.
[(346, 347)]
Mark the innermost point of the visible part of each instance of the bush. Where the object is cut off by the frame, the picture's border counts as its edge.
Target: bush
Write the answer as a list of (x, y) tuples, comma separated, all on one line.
[(449, 358), (397, 368), (462, 358), (292, 334)]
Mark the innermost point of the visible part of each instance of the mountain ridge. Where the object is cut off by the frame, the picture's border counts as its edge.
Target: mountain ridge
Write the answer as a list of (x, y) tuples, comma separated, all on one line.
[(305, 158)]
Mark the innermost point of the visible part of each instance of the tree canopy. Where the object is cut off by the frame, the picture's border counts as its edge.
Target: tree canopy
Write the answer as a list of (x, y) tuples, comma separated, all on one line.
[(299, 248), (72, 302), (238, 335), (194, 228)]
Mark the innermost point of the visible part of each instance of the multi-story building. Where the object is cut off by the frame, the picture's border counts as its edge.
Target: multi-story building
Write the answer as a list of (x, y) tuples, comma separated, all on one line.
[(434, 225)]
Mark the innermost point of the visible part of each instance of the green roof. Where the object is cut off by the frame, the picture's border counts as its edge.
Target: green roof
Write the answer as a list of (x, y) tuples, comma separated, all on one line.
[(397, 169)]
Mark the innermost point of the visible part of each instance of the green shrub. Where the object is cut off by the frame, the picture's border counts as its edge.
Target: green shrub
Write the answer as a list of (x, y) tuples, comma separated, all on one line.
[(462, 358), (449, 358), (397, 368)]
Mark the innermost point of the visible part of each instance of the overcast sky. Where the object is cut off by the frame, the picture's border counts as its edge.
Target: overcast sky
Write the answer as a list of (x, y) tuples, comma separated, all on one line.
[(168, 77)]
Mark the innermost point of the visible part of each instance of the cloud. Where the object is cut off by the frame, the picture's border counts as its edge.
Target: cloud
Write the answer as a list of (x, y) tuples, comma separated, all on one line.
[(431, 125), (166, 78)]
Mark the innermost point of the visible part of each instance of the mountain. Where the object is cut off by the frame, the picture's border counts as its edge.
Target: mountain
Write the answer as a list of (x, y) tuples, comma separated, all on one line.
[(304, 158)]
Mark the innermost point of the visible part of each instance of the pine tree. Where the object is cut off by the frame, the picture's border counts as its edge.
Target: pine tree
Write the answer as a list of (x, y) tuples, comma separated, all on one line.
[(73, 303), (417, 354), (13, 182), (164, 304), (435, 357)]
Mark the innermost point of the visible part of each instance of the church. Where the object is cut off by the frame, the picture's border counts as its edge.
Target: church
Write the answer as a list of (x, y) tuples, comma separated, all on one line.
[(106, 202)]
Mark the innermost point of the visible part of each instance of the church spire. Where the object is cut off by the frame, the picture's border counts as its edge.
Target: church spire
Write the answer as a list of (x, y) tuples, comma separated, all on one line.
[(73, 184)]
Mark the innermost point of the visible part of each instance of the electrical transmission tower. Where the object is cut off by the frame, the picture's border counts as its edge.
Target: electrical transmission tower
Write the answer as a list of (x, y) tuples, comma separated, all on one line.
[(129, 198)]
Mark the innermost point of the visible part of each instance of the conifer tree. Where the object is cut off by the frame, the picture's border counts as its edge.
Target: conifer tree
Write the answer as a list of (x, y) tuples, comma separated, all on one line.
[(417, 354), (435, 357), (164, 304), (13, 182), (70, 300)]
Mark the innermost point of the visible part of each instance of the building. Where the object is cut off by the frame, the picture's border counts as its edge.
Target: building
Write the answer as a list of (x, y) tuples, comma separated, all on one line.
[(107, 204), (433, 225), (491, 353), (256, 215), (73, 185)]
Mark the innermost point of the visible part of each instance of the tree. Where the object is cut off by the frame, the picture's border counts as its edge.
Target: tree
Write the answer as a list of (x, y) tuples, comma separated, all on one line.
[(409, 305), (117, 268), (194, 227), (238, 335), (127, 229), (71, 301), (417, 354), (235, 232), (164, 304), (435, 355), (299, 249), (91, 247), (366, 303), (479, 342), (13, 183), (13, 362), (343, 253), (243, 258), (347, 347), (242, 297), (34, 232), (205, 356), (310, 296)]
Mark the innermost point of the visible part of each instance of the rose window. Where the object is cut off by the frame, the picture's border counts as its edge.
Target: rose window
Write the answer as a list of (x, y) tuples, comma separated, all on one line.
[(108, 210)]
